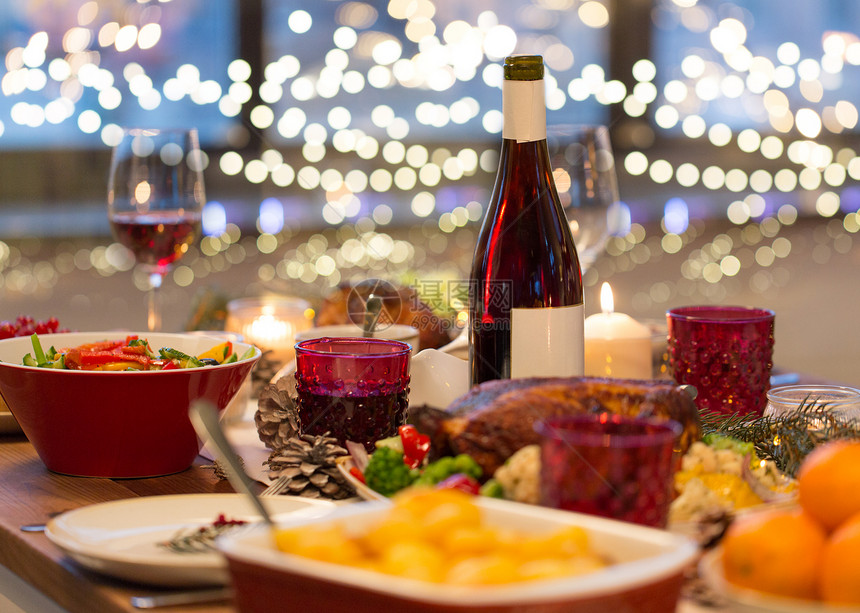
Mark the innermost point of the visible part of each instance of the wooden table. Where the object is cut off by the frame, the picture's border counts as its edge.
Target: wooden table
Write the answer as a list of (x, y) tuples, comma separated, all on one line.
[(29, 493)]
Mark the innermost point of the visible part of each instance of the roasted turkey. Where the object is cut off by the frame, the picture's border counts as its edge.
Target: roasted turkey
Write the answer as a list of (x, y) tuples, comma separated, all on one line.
[(495, 419)]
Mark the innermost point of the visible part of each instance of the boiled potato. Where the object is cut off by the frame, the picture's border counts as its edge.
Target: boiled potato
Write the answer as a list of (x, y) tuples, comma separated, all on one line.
[(439, 536)]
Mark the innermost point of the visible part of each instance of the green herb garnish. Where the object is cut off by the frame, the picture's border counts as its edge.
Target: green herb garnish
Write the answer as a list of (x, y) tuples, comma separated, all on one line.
[(202, 539)]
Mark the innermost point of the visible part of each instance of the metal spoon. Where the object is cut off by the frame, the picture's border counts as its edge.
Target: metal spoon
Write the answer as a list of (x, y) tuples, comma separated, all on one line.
[(372, 310), (204, 418)]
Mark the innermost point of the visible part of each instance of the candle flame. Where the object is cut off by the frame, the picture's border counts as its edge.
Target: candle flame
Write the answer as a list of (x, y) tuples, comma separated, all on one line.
[(607, 303)]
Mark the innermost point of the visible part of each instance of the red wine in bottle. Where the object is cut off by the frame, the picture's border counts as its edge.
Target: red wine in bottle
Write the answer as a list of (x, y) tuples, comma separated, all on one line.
[(526, 315)]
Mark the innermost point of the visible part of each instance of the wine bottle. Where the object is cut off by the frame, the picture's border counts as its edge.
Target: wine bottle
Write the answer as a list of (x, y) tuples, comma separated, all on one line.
[(526, 315)]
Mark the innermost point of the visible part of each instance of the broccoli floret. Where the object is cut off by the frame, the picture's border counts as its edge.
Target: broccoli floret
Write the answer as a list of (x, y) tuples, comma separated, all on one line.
[(493, 489), (721, 441), (443, 468), (386, 473)]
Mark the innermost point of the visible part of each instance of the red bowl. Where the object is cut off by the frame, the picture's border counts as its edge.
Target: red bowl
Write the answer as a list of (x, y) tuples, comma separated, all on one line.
[(115, 424), (645, 577)]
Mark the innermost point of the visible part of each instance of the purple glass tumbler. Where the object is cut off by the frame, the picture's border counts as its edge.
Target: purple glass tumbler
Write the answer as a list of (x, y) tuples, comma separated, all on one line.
[(354, 389), (609, 465), (726, 353)]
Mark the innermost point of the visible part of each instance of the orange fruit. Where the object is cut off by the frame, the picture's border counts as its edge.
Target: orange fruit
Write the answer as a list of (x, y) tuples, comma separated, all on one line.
[(840, 564), (775, 551), (828, 482)]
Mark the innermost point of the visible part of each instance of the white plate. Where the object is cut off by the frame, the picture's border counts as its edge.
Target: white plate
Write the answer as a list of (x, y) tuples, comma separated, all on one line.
[(120, 538), (744, 600)]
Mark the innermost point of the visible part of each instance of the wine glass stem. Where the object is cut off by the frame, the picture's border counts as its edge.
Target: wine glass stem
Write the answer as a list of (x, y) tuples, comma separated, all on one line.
[(153, 319)]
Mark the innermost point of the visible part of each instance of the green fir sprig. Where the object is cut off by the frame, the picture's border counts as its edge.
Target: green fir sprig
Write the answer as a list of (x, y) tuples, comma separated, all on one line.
[(787, 438)]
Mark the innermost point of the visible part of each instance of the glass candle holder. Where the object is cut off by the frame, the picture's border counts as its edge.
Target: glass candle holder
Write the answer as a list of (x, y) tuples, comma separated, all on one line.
[(270, 323), (609, 465), (658, 329), (726, 353), (837, 400), (354, 389)]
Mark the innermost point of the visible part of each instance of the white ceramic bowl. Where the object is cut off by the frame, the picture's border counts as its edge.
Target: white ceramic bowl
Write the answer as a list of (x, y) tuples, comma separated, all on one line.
[(646, 576)]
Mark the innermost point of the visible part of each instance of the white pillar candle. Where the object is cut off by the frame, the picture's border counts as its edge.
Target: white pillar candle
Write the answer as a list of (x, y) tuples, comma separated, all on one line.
[(616, 345)]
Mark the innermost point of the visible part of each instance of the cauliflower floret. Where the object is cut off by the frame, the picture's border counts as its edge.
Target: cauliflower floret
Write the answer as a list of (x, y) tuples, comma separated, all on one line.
[(696, 500), (729, 461), (700, 457), (520, 475), (767, 473), (718, 478)]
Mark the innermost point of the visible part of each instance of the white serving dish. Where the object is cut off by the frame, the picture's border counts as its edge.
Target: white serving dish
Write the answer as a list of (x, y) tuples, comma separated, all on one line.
[(437, 378), (646, 576)]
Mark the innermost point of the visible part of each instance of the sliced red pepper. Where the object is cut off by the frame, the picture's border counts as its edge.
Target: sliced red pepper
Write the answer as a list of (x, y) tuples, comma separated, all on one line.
[(415, 445), (92, 359), (135, 349), (461, 482), (163, 364), (99, 346), (357, 474)]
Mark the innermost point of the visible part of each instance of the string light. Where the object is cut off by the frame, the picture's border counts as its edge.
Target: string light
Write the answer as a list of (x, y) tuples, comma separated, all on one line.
[(435, 56)]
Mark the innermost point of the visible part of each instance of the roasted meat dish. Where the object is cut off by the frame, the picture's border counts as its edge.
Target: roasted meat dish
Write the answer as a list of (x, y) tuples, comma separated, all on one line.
[(495, 419)]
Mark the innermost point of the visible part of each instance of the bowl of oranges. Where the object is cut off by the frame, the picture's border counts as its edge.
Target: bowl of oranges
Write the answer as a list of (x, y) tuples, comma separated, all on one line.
[(802, 558)]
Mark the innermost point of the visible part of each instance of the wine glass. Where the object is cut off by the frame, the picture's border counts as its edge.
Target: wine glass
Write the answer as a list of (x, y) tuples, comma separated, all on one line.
[(584, 170), (155, 201)]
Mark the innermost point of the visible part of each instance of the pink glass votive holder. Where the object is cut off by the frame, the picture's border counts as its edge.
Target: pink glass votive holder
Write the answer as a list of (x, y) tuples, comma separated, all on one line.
[(354, 389), (726, 353), (609, 465)]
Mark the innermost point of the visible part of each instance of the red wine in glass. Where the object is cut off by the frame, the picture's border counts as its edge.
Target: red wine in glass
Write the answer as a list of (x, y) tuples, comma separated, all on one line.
[(155, 200), (363, 419), (156, 239)]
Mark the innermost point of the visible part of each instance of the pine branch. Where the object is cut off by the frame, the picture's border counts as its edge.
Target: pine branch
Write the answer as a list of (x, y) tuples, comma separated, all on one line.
[(787, 438)]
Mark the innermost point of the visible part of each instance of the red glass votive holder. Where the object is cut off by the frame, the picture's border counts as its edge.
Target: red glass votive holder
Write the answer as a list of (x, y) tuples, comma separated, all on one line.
[(354, 389), (726, 353), (609, 465)]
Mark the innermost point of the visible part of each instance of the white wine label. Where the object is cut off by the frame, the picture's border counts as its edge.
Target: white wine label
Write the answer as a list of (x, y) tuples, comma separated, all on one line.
[(547, 342), (524, 110)]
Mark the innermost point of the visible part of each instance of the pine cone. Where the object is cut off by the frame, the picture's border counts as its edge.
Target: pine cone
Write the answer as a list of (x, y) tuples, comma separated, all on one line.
[(277, 418), (265, 368), (309, 462), (219, 469)]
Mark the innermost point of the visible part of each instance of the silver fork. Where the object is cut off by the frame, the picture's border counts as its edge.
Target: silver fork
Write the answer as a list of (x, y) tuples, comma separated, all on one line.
[(276, 487)]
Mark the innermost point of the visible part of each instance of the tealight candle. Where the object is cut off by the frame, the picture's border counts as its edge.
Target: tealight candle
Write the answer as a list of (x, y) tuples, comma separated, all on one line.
[(616, 345), (270, 323)]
